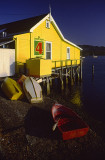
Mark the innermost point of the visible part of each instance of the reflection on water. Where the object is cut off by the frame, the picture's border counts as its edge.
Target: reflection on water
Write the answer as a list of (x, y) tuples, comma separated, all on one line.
[(75, 98), (90, 93), (68, 92)]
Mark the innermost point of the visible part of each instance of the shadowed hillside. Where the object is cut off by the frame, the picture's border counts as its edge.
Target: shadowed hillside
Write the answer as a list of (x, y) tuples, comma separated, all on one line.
[(92, 50)]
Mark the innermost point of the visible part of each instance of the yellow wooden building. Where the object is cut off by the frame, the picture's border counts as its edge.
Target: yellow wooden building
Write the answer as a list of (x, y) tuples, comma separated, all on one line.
[(40, 46)]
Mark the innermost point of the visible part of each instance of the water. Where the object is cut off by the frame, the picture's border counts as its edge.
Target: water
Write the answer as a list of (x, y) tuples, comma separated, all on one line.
[(93, 87), (90, 93)]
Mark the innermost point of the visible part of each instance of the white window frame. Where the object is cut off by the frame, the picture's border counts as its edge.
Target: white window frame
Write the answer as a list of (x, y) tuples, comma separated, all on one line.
[(47, 24), (51, 49), (68, 53)]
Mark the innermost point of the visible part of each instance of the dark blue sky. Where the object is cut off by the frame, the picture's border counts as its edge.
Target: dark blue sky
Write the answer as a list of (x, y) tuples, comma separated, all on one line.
[(80, 21)]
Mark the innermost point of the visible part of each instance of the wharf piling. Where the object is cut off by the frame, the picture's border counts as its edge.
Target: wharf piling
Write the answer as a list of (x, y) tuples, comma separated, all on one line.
[(67, 75), (93, 70), (81, 69), (48, 86)]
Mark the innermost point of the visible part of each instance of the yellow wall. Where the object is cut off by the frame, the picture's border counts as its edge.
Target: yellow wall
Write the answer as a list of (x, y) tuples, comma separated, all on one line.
[(22, 46), (48, 35), (25, 45), (38, 67)]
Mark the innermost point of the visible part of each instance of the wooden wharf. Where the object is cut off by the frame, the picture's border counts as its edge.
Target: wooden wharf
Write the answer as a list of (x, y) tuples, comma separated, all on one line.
[(70, 72)]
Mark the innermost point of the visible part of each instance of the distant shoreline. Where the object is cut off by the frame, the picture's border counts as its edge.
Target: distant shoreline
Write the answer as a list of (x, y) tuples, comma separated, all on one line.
[(89, 50)]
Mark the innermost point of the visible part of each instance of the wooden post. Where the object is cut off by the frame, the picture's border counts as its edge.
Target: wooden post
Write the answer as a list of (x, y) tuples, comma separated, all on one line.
[(81, 69), (43, 85), (61, 77), (78, 72), (48, 86), (71, 71), (66, 76), (50, 82), (43, 80), (93, 69), (73, 74)]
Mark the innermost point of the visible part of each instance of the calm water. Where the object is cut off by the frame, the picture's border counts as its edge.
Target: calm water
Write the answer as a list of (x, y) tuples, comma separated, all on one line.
[(93, 87), (90, 94)]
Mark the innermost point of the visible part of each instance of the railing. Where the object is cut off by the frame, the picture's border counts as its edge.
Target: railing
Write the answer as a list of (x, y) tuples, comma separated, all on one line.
[(65, 63)]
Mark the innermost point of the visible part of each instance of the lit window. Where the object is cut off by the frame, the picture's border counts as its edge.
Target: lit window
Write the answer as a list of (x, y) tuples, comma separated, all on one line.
[(48, 50), (47, 24), (68, 52)]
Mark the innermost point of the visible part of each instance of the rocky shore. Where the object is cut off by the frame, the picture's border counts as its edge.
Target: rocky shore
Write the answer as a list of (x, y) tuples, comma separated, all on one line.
[(26, 133)]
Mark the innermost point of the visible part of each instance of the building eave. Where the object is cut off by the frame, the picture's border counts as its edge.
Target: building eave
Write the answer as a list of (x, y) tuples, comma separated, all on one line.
[(61, 35), (36, 25), (72, 44), (49, 16)]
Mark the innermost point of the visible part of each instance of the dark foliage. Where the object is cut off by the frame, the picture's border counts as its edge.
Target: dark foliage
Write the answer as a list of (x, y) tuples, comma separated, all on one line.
[(92, 50)]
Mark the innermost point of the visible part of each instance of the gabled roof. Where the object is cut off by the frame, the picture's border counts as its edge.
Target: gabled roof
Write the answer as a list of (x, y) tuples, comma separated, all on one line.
[(29, 24), (21, 26), (6, 42)]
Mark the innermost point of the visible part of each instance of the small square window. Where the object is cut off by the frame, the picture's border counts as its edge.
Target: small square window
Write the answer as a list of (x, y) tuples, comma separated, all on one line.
[(47, 24)]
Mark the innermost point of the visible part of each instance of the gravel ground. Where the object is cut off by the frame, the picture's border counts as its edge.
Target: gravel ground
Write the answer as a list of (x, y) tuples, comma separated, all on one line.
[(26, 133)]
